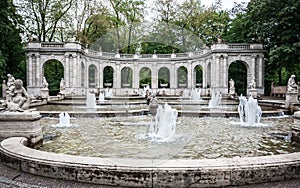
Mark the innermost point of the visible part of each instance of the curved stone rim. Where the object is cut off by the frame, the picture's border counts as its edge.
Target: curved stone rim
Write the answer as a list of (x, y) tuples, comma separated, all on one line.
[(149, 173)]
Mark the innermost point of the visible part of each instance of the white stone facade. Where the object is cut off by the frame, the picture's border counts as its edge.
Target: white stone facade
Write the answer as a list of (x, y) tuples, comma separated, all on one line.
[(76, 61)]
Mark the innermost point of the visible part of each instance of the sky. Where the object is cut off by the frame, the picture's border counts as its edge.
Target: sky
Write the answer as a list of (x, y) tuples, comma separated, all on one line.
[(226, 4)]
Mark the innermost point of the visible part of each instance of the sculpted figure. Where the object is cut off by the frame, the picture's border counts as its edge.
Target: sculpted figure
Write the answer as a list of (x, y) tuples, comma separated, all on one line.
[(253, 83), (231, 83), (10, 81), (45, 83), (292, 86), (18, 99), (62, 84)]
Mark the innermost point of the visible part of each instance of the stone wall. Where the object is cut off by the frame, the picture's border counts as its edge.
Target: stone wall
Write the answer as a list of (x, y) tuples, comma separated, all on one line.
[(150, 173)]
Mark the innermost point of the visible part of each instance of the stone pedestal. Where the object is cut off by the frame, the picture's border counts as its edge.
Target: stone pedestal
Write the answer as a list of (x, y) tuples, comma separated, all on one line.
[(253, 93), (291, 98), (232, 91), (44, 93), (296, 128), (25, 124)]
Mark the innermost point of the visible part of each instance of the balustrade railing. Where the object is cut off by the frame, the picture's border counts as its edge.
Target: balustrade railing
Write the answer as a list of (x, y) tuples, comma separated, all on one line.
[(78, 46), (239, 46), (52, 45)]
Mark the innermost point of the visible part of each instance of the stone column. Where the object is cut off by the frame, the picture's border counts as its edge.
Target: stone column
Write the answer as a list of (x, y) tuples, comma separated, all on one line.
[(253, 68), (38, 71), (67, 70), (260, 71), (87, 75), (76, 77), (173, 76), (204, 75), (101, 75), (154, 76), (216, 71), (29, 70), (190, 79), (136, 76), (71, 70), (225, 73), (117, 76), (33, 78)]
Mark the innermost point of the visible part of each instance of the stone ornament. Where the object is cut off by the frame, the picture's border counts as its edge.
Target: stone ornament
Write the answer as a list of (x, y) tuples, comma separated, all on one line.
[(292, 86), (18, 98)]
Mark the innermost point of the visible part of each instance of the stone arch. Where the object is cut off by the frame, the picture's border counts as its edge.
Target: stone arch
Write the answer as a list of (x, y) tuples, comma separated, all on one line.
[(163, 77), (53, 71), (108, 76), (198, 76), (92, 76), (182, 77), (145, 77), (238, 71), (126, 77)]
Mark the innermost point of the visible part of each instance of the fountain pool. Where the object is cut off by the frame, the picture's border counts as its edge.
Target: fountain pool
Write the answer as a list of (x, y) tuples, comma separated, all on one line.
[(195, 138)]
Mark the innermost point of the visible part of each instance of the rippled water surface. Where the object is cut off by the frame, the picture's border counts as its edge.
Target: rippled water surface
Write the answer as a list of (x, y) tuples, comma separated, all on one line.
[(196, 138)]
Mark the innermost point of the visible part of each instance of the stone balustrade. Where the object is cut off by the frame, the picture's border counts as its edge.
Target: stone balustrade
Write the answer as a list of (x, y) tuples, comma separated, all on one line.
[(94, 53)]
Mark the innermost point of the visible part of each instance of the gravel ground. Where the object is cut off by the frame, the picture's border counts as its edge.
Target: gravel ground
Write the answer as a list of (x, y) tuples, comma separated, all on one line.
[(10, 178)]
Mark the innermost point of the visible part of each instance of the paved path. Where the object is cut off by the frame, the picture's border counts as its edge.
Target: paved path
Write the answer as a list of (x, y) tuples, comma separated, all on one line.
[(10, 178)]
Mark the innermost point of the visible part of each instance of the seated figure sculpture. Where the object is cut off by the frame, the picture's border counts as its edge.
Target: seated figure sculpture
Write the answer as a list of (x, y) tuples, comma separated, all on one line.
[(292, 86), (18, 99)]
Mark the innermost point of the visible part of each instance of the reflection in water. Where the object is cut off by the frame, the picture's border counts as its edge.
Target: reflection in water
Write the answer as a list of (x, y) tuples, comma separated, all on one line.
[(197, 138)]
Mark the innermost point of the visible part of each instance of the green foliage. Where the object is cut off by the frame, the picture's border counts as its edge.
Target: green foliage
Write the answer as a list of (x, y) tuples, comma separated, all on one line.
[(108, 75), (145, 77), (238, 72), (53, 72), (276, 24), (12, 56), (199, 74), (43, 18)]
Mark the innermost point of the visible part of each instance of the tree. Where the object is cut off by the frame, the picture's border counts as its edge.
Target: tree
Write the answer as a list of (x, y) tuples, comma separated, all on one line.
[(276, 24), (12, 56), (42, 18)]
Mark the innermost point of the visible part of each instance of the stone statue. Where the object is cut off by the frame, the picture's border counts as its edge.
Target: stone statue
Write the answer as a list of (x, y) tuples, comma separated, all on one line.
[(231, 87), (10, 81), (45, 83), (18, 99), (62, 84), (231, 83), (292, 86), (253, 83)]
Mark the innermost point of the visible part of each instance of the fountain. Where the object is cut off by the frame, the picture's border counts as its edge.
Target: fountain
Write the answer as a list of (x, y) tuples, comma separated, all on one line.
[(249, 111), (101, 96), (110, 151), (112, 160), (193, 94), (145, 89), (108, 93), (64, 120), (164, 126), (90, 100), (196, 94), (215, 100), (186, 93)]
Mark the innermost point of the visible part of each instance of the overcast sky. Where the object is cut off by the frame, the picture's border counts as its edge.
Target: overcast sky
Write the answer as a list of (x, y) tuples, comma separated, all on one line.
[(226, 4)]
